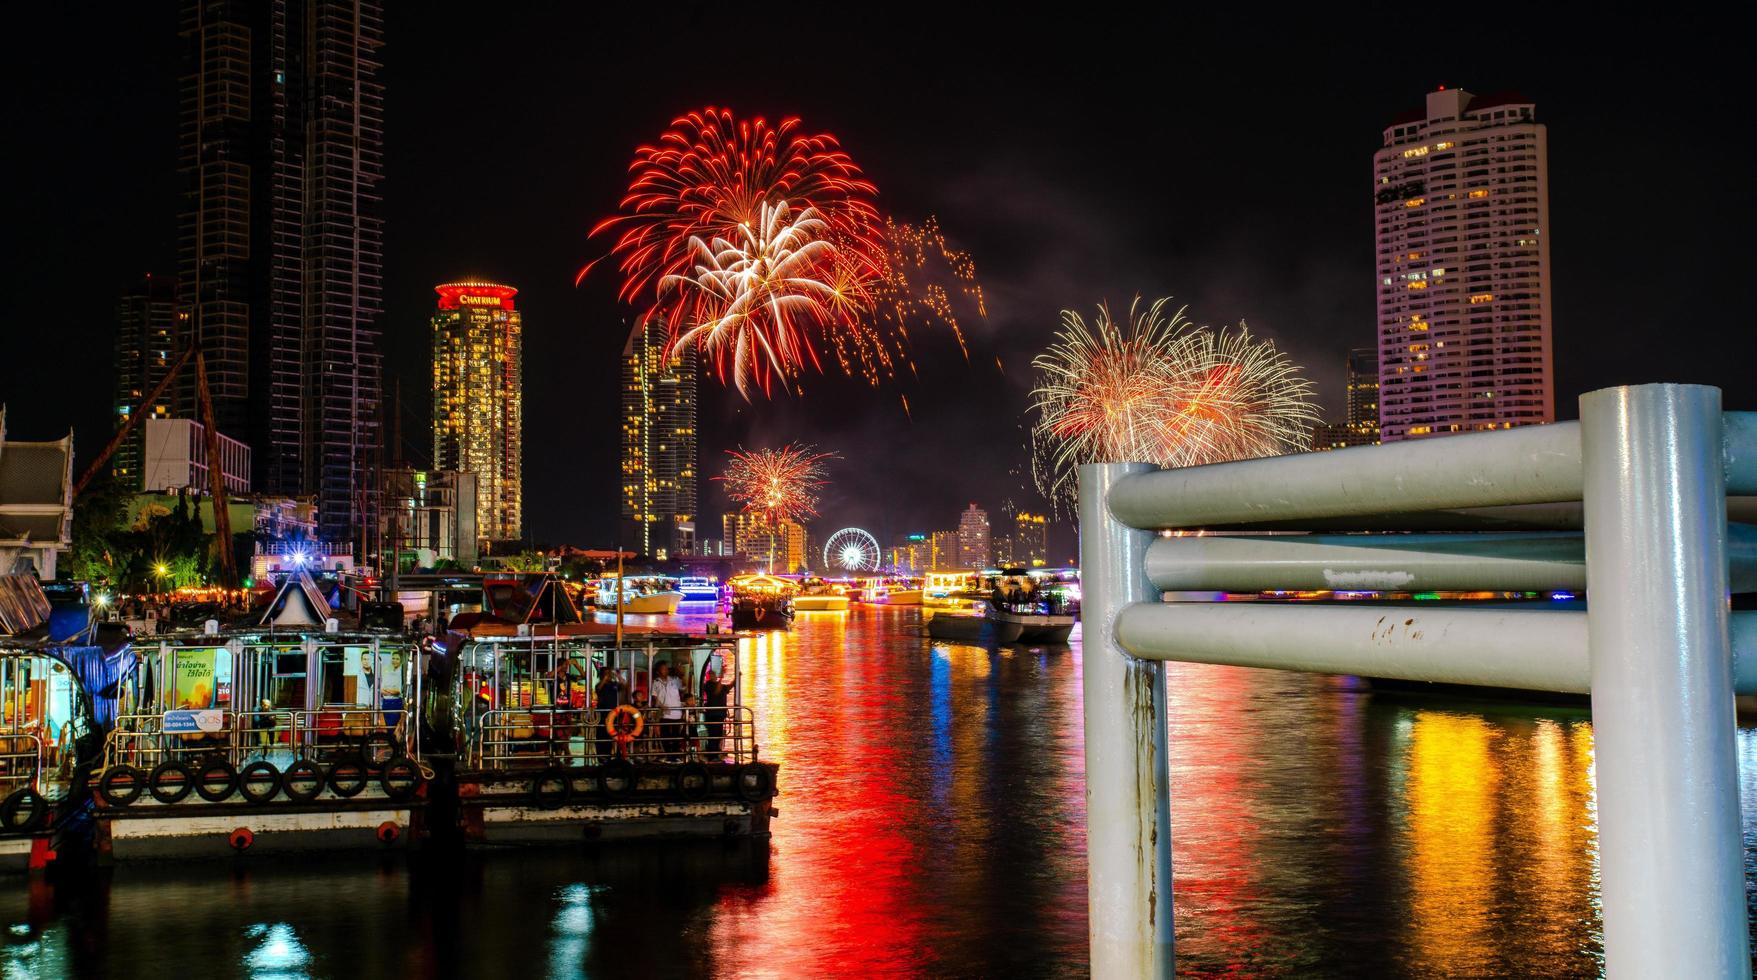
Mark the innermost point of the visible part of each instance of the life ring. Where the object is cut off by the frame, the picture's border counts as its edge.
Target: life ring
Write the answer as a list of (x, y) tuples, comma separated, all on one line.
[(624, 723), (302, 781), (23, 811), (260, 782), (121, 785), (215, 780), (170, 781)]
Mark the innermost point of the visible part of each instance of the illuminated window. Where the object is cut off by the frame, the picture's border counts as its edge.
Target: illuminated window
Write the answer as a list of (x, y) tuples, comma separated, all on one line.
[(1479, 193), (1482, 298), (1415, 202)]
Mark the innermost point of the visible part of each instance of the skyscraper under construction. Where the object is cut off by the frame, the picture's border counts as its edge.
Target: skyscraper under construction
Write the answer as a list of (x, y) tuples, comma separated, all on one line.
[(280, 240)]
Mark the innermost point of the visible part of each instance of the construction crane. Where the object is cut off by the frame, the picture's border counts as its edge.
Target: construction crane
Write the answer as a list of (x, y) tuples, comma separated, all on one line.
[(216, 478)]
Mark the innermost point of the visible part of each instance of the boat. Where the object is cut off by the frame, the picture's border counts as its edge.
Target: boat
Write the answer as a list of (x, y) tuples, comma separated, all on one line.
[(948, 589), (817, 595), (891, 591), (699, 588), (970, 625), (49, 736), (761, 602), (1043, 604), (541, 762), (639, 594)]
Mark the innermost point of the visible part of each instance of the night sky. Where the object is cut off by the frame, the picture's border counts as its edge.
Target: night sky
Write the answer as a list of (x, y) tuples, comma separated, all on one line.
[(1224, 162)]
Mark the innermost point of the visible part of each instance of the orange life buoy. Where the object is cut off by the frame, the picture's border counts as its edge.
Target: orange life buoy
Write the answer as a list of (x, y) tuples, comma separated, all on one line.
[(624, 723)]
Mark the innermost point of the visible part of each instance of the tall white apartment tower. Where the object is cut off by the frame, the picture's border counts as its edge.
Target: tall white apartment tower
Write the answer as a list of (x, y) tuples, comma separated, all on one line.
[(1461, 210)]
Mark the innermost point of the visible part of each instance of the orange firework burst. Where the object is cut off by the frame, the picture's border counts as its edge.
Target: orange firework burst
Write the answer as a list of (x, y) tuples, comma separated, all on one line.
[(778, 485), (1163, 392)]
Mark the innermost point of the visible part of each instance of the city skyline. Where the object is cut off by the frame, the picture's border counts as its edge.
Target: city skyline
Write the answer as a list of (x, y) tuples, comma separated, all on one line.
[(1313, 300)]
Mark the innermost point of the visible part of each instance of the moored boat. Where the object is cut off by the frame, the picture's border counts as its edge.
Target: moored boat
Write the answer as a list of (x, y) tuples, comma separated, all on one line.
[(650, 595), (761, 602), (817, 595), (1041, 604)]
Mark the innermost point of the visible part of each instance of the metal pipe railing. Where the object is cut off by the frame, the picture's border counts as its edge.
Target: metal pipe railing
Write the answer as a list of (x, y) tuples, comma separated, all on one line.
[(1652, 467)]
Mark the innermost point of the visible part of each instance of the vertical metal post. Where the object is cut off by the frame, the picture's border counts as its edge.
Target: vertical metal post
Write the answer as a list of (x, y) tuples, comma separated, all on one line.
[(1128, 811), (1670, 852)]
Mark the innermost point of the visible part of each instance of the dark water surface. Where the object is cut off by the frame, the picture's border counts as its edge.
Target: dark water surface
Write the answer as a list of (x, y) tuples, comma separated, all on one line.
[(931, 825)]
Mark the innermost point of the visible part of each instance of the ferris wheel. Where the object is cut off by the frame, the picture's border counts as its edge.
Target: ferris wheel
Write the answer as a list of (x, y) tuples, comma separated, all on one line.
[(852, 550)]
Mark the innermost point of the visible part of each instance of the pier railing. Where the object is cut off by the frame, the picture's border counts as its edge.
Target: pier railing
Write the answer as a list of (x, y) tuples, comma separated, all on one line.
[(1629, 503), (536, 738)]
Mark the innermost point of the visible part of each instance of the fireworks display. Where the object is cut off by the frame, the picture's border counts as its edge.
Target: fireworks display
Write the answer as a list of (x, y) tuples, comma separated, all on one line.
[(750, 296), (1162, 391), (761, 245), (777, 484)]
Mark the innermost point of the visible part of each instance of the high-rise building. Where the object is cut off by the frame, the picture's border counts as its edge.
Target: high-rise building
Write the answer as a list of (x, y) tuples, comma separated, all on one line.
[(1030, 540), (912, 554), (146, 341), (780, 548), (478, 399), (658, 442), (1461, 204), (1361, 427), (280, 239), (943, 552), (973, 549), (175, 458)]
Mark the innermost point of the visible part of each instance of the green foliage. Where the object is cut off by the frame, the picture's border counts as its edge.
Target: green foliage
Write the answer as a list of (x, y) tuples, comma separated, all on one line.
[(110, 552), (525, 561)]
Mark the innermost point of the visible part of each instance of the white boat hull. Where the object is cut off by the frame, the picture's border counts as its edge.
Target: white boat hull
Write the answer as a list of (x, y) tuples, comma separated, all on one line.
[(654, 604)]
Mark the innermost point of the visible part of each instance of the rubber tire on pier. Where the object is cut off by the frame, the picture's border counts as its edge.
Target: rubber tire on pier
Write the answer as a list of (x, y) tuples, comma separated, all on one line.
[(253, 777), (561, 788), (691, 782), (24, 811), (303, 771), (348, 776), (616, 779), (215, 792), (155, 782), (113, 775), (400, 778), (392, 751), (752, 783)]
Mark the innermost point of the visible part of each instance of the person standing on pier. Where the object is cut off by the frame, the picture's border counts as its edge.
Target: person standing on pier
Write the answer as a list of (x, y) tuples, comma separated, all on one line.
[(607, 697), (668, 698)]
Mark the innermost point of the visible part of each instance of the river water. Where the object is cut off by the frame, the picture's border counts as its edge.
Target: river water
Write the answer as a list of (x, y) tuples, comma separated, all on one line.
[(931, 824)]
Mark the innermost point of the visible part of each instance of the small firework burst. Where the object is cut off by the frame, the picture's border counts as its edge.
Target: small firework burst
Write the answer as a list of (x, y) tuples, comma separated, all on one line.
[(1164, 392), (777, 485)]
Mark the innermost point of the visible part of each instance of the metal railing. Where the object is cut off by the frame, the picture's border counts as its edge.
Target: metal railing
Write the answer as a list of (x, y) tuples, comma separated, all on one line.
[(323, 734), (21, 760), (1648, 470), (536, 738)]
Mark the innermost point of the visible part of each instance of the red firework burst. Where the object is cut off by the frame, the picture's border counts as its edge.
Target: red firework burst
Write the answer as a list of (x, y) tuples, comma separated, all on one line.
[(712, 172), (778, 484)]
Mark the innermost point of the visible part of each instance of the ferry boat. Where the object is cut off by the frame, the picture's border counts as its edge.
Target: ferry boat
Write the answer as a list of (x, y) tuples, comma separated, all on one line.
[(817, 595), (698, 588), (948, 589), (892, 591), (970, 625), (1042, 604), (761, 602), (640, 594), (560, 741), (49, 735)]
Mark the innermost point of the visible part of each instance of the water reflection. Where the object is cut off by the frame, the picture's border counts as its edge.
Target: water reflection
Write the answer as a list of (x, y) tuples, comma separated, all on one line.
[(931, 824)]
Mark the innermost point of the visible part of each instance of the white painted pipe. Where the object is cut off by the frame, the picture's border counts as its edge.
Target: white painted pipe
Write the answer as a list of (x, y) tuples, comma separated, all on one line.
[(1563, 516), (1671, 857), (1128, 812), (1533, 465), (1535, 649), (1740, 451), (1536, 562)]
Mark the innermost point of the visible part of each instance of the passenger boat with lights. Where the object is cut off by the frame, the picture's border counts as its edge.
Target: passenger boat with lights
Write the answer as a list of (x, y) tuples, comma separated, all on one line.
[(285, 732), (1043, 603), (761, 602), (819, 595), (699, 588), (948, 589), (49, 734), (891, 591), (638, 594), (564, 739)]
